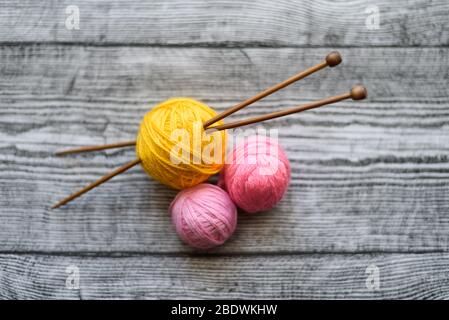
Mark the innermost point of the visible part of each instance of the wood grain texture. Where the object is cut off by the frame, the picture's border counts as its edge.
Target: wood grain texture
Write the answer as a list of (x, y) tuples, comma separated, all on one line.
[(369, 179), (410, 276), (367, 176), (228, 23)]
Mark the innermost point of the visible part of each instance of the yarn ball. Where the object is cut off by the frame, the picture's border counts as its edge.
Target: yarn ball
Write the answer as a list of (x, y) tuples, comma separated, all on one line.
[(204, 216), (256, 174), (173, 147)]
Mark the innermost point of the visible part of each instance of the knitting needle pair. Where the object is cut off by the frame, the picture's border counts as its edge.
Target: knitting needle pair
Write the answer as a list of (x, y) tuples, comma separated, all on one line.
[(358, 92)]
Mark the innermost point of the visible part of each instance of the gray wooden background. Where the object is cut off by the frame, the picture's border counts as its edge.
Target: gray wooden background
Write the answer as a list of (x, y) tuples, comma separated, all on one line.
[(370, 179)]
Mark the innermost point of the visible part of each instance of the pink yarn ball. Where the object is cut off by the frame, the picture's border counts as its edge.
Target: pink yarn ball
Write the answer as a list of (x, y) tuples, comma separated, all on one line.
[(257, 174), (204, 216)]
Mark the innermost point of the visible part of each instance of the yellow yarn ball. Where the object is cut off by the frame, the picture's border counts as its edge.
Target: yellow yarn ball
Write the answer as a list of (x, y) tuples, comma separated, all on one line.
[(173, 146)]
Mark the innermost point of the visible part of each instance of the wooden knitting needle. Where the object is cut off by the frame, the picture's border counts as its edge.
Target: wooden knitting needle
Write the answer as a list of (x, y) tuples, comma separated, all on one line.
[(103, 179), (332, 59), (96, 148), (357, 92)]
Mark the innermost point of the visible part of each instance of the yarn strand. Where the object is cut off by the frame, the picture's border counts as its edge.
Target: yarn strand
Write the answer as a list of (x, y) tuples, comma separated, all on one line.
[(95, 184)]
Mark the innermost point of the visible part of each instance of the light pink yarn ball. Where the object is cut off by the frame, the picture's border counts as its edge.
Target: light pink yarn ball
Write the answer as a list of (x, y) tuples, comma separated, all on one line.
[(257, 174), (204, 216)]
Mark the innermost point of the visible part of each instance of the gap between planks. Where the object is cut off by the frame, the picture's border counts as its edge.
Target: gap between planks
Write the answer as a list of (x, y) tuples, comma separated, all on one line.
[(127, 254), (211, 45)]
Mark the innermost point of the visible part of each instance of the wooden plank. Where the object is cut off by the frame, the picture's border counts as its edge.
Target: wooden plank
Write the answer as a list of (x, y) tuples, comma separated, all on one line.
[(228, 23), (409, 276), (367, 176), (147, 75)]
